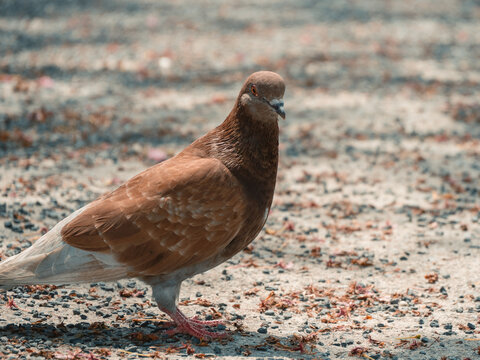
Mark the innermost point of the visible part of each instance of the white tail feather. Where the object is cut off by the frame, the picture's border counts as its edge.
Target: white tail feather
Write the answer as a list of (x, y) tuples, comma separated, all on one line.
[(51, 261)]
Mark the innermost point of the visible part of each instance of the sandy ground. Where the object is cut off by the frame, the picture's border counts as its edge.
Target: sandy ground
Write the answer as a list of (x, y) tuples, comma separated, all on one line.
[(372, 246)]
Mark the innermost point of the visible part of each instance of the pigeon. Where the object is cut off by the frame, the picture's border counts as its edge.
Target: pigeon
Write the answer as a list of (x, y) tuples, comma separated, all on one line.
[(176, 219)]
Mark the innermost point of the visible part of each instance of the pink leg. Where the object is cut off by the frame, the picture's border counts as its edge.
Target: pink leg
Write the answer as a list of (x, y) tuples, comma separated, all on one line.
[(193, 326), (195, 320)]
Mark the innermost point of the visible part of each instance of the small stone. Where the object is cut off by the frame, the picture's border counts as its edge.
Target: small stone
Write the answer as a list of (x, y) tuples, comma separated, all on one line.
[(262, 330), (17, 229)]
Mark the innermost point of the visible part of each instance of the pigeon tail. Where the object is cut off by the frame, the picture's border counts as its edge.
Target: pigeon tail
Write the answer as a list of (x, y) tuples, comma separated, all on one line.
[(52, 261)]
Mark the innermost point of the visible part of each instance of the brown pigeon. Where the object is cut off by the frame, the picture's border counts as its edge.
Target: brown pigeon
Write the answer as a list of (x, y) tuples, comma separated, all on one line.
[(176, 219)]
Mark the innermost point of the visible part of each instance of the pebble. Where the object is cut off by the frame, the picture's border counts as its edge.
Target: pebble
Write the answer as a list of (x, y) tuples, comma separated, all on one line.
[(262, 330)]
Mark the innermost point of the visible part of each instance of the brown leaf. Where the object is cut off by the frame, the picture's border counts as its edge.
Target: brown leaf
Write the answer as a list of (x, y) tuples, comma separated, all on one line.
[(432, 278)]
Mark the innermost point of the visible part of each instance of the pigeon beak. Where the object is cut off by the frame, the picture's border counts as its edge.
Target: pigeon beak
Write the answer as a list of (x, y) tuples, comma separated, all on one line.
[(277, 105)]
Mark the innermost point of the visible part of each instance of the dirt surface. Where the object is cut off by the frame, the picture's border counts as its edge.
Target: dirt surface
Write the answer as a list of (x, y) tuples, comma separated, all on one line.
[(372, 246)]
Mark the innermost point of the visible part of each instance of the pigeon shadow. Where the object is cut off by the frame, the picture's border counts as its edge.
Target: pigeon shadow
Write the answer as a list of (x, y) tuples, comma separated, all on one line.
[(145, 338)]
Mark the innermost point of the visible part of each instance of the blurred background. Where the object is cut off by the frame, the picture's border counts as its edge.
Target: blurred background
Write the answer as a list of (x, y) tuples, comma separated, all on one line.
[(379, 174), (83, 73)]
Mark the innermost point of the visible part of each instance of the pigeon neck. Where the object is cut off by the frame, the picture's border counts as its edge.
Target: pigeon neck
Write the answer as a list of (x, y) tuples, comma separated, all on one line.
[(253, 139), (249, 149)]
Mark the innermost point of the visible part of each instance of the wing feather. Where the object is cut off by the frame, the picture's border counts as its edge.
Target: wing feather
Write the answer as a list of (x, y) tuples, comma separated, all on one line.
[(175, 214)]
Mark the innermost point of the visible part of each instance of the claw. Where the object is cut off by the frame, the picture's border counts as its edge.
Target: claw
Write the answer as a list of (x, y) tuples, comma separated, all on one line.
[(196, 320), (198, 332)]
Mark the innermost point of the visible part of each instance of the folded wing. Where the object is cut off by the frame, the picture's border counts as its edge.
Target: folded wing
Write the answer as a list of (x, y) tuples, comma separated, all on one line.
[(172, 215)]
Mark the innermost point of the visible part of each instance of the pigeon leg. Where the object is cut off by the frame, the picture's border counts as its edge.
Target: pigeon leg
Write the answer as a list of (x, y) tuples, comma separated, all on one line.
[(197, 321), (166, 295), (193, 326)]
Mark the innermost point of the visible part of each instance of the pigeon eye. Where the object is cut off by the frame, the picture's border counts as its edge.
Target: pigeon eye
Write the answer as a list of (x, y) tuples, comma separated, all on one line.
[(254, 90)]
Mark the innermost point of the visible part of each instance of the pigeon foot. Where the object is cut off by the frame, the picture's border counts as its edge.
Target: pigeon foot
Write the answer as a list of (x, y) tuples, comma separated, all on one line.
[(194, 326)]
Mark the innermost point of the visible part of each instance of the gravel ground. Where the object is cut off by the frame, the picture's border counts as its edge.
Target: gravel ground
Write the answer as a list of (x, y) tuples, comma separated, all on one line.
[(371, 249)]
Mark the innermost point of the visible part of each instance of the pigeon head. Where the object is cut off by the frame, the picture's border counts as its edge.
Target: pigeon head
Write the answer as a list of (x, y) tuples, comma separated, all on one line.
[(262, 96)]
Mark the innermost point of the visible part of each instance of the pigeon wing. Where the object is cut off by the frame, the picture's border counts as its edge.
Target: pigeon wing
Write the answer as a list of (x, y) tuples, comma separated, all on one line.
[(176, 214)]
